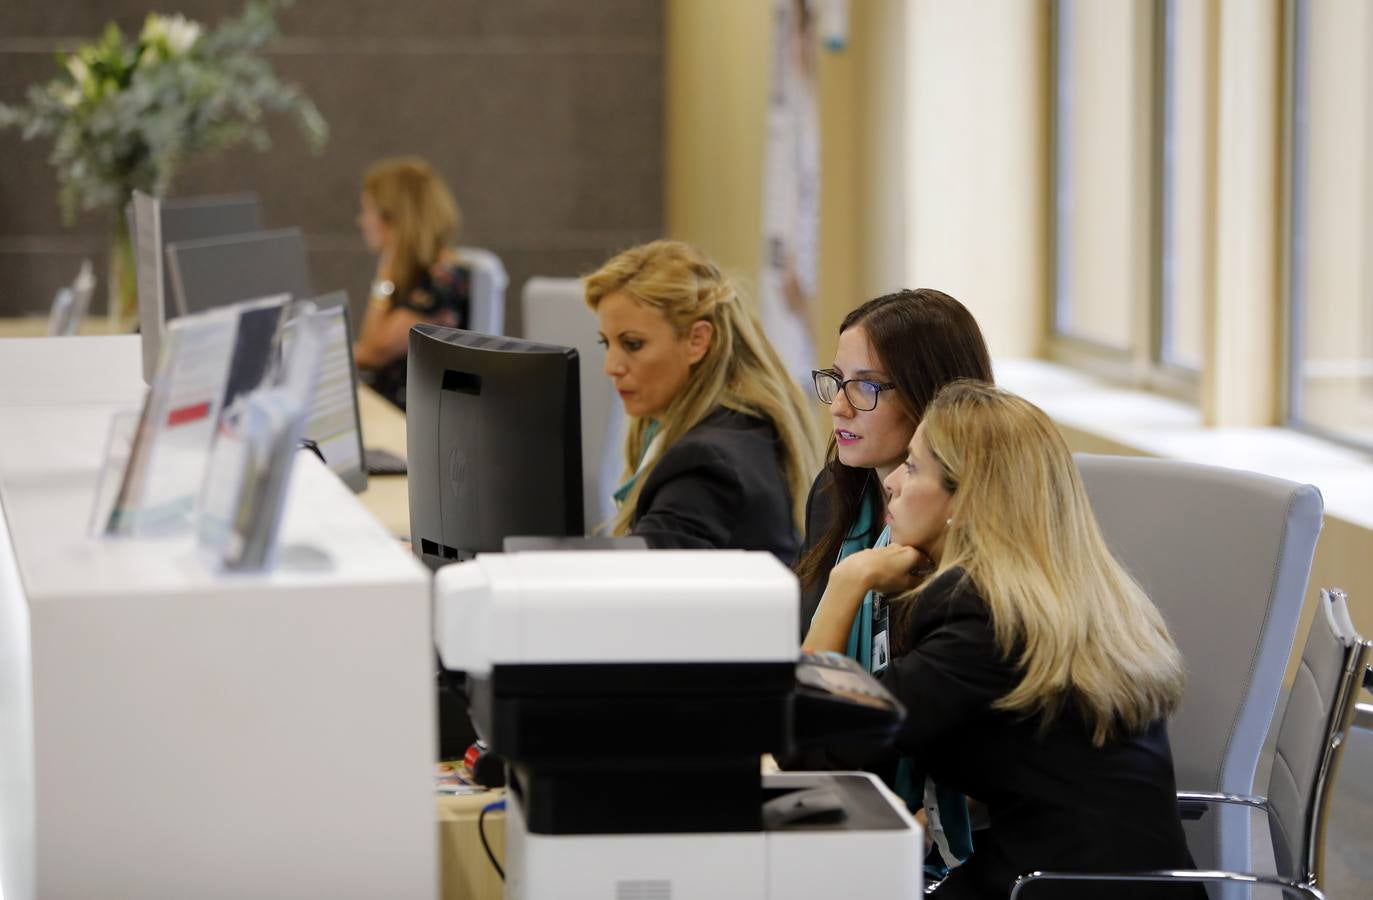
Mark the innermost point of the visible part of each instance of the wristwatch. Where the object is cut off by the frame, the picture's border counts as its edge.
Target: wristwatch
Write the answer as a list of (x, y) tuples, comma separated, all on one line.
[(382, 289)]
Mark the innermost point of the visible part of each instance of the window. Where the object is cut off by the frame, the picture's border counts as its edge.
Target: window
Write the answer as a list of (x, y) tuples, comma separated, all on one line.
[(1101, 172), (1133, 150), (1330, 218), (1187, 109)]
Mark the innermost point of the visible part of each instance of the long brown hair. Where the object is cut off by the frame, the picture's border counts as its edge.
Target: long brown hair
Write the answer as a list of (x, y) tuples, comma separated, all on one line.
[(424, 219), (740, 371), (1022, 530), (924, 339)]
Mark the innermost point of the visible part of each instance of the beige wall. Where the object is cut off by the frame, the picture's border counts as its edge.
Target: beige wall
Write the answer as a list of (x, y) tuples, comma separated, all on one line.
[(717, 68), (976, 138), (1240, 382), (940, 186), (718, 54)]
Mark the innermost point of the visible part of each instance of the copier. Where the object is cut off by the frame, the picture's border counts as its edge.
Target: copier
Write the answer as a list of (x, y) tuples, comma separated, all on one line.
[(633, 694)]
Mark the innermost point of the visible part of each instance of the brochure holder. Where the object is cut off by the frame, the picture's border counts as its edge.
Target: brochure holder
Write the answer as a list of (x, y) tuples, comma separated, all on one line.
[(118, 448), (206, 362), (254, 452), (70, 304)]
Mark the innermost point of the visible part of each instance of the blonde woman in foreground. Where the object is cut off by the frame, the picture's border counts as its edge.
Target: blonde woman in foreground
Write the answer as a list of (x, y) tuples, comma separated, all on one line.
[(718, 453), (1039, 674)]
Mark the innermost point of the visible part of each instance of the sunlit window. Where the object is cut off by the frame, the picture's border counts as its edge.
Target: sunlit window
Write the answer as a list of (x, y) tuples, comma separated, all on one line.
[(1330, 226)]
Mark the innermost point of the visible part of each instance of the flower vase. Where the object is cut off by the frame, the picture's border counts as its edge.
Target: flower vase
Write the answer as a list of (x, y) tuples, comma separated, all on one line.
[(122, 285)]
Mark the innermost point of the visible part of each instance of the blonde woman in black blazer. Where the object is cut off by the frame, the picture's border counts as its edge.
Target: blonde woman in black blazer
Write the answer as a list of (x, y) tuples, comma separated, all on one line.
[(718, 453)]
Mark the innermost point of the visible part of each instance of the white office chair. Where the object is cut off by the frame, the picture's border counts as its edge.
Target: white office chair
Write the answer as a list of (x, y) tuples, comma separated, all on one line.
[(554, 312), (486, 313), (1225, 555)]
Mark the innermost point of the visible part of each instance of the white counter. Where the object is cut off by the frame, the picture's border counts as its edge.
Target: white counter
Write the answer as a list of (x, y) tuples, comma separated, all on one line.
[(169, 731)]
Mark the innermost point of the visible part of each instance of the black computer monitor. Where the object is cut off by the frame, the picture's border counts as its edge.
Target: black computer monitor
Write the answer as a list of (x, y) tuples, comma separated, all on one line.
[(493, 434)]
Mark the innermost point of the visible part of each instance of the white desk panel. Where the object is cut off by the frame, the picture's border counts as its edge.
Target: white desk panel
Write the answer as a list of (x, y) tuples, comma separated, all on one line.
[(63, 370), (185, 733), (47, 485), (16, 731)]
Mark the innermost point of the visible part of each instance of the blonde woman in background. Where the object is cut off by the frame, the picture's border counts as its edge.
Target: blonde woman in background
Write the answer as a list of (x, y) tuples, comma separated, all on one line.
[(1039, 673), (719, 452), (408, 217)]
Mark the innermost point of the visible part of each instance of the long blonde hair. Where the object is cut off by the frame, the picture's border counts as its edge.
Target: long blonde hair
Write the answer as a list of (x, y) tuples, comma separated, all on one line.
[(1023, 531), (740, 370), (417, 205)]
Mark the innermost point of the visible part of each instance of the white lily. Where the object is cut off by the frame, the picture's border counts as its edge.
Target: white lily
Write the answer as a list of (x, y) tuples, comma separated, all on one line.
[(80, 72), (182, 33)]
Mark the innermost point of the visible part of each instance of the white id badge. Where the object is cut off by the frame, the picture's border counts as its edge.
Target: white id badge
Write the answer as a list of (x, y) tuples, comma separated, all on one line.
[(881, 650)]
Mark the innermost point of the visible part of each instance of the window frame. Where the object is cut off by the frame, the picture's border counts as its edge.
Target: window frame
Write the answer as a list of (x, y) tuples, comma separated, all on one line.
[(1142, 364), (1295, 304)]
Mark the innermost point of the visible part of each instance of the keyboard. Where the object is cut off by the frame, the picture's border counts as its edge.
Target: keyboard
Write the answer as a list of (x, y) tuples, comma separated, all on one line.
[(383, 462)]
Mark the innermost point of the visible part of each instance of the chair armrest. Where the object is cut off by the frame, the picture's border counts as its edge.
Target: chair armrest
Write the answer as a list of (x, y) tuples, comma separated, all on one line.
[(1192, 805), (1178, 875)]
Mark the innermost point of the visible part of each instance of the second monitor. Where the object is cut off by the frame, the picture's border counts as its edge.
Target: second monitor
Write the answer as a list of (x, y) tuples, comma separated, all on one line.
[(214, 272), (493, 431)]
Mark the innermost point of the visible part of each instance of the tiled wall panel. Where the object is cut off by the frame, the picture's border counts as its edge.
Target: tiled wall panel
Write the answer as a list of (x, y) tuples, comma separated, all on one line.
[(545, 116)]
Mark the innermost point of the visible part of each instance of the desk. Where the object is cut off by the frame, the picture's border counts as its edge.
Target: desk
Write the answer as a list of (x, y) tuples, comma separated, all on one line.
[(464, 870), (169, 731), (37, 326), (36, 378), (387, 496), (111, 370)]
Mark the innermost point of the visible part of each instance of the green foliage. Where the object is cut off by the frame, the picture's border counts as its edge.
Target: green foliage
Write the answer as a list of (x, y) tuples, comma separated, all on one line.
[(127, 114)]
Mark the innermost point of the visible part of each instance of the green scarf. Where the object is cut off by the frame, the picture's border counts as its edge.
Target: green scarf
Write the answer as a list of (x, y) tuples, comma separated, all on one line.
[(623, 490)]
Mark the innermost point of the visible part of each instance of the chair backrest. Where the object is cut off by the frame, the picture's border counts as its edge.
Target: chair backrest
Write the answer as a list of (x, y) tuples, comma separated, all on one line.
[(489, 281), (554, 311), (1312, 736), (1225, 555)]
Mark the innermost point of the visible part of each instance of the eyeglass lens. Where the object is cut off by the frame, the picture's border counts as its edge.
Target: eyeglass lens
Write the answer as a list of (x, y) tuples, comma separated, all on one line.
[(862, 395)]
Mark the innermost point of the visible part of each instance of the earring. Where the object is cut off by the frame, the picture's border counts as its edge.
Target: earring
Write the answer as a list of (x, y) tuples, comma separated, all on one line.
[(948, 523)]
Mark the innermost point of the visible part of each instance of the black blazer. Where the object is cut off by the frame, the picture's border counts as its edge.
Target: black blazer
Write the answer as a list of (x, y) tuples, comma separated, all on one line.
[(820, 515), (720, 487), (1054, 800)]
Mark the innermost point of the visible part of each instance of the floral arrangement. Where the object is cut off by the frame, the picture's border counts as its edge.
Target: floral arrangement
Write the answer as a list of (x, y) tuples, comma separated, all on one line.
[(125, 115)]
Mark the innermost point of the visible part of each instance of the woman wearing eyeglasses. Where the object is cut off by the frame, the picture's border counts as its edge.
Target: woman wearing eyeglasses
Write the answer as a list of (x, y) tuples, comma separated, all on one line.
[(893, 356), (718, 453)]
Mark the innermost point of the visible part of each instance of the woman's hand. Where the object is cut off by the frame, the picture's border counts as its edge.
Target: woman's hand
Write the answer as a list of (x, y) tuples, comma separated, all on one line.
[(887, 570), (884, 569)]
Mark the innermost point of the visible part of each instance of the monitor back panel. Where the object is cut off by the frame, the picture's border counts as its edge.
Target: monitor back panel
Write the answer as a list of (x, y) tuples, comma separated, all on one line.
[(197, 218), (213, 272)]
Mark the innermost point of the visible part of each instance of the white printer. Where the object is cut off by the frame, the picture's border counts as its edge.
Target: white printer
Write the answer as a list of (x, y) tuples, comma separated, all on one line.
[(632, 694)]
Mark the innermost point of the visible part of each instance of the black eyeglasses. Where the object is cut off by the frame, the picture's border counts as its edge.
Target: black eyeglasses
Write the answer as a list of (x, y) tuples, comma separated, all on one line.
[(861, 393)]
